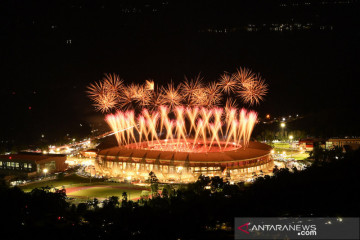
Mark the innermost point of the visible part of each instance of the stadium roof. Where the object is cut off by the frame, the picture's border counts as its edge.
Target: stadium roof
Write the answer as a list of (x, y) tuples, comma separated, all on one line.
[(254, 150)]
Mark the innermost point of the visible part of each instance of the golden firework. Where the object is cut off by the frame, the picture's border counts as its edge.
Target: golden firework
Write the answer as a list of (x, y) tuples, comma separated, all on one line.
[(172, 96)]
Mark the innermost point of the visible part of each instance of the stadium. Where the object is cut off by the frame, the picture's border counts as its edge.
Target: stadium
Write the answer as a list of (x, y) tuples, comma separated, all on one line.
[(182, 131), (135, 161)]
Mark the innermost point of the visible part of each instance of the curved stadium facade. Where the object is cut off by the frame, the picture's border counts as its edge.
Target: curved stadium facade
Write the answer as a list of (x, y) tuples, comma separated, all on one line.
[(135, 162)]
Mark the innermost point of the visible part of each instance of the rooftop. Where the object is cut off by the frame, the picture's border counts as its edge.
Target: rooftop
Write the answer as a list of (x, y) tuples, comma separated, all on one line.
[(27, 156), (254, 150)]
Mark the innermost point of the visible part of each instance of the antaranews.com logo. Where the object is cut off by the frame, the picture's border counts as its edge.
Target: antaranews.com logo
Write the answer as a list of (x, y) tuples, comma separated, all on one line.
[(304, 230), (297, 228)]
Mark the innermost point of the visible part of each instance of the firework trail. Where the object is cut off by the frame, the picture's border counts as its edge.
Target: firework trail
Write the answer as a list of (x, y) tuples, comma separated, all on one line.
[(206, 124), (230, 103)]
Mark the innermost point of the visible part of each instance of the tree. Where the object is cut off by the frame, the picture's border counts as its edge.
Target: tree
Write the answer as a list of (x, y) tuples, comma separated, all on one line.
[(275, 169), (217, 184), (114, 200), (203, 180), (3, 183), (94, 203), (317, 154), (124, 197), (154, 189), (166, 191), (81, 208), (153, 178), (111, 202), (154, 183), (169, 190), (321, 155)]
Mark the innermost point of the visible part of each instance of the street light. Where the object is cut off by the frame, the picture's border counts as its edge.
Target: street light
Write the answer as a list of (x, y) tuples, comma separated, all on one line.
[(45, 170), (291, 138), (283, 125)]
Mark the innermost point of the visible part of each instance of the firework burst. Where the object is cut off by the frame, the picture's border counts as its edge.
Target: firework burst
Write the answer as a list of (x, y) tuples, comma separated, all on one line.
[(243, 75), (156, 99), (128, 98), (143, 96), (172, 96), (252, 91), (113, 83), (110, 93), (104, 100), (228, 83), (212, 95), (150, 85), (191, 89)]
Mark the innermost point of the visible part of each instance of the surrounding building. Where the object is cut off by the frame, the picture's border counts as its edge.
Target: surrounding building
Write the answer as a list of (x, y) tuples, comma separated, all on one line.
[(352, 143), (32, 163), (307, 144), (90, 153)]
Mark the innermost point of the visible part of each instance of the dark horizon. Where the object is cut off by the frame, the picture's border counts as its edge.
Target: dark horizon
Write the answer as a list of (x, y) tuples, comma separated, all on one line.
[(52, 51)]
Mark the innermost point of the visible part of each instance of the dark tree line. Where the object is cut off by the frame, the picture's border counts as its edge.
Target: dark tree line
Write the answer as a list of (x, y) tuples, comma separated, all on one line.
[(201, 210)]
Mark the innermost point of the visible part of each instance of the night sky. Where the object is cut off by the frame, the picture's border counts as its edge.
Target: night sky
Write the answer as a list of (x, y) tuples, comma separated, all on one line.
[(51, 50)]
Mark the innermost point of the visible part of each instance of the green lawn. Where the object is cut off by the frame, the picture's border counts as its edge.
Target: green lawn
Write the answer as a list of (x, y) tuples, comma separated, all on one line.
[(108, 189), (281, 145), (279, 148), (105, 192), (71, 180), (301, 156)]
